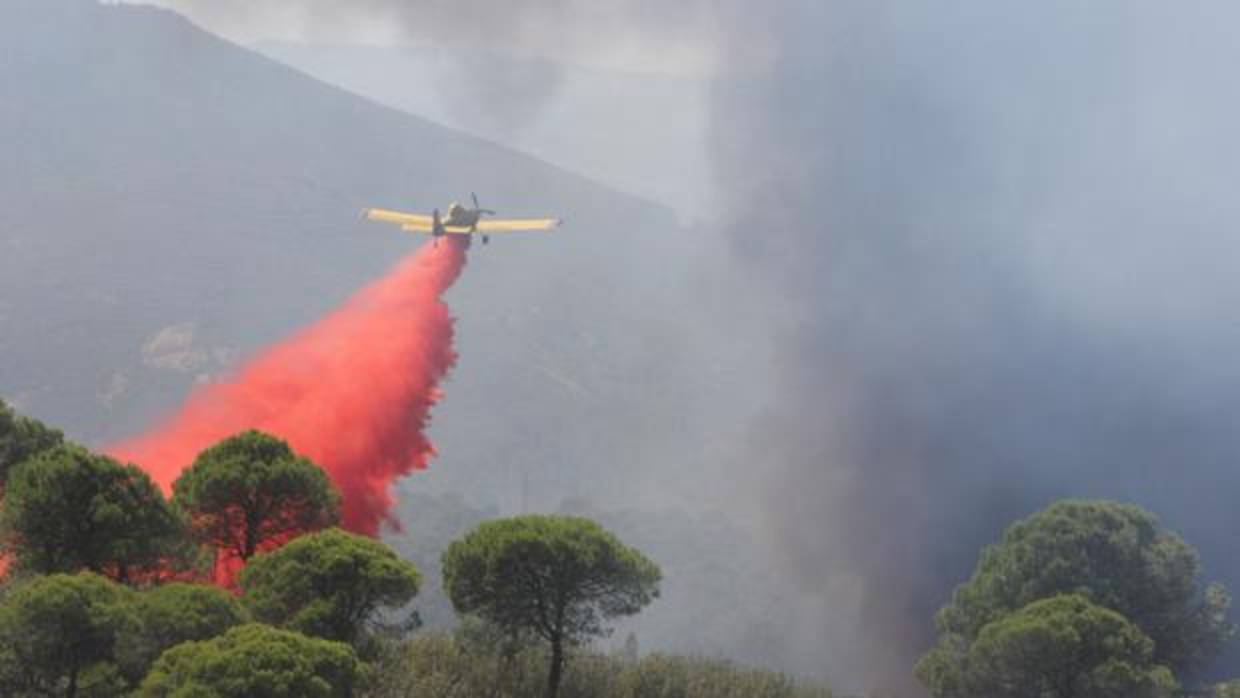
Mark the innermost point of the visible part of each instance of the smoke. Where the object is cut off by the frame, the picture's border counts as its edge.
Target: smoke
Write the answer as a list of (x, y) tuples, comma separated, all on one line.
[(353, 392), (478, 38), (994, 240), (561, 29)]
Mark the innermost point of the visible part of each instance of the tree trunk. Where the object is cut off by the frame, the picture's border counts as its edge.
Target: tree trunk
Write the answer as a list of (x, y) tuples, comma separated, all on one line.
[(250, 540), (557, 668)]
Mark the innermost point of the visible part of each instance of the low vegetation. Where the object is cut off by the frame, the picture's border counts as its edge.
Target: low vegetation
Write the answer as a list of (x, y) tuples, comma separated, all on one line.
[(107, 585), (255, 660), (478, 663), (112, 590)]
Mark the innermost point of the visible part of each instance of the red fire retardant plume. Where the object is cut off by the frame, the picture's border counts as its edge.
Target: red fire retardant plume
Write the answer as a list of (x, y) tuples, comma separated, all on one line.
[(352, 392)]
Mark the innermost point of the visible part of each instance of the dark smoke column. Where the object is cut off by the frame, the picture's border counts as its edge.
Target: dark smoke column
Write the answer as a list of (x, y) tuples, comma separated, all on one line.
[(991, 284), (353, 391)]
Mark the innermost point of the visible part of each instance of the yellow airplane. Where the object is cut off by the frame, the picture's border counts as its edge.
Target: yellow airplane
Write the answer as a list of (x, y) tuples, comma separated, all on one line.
[(460, 221)]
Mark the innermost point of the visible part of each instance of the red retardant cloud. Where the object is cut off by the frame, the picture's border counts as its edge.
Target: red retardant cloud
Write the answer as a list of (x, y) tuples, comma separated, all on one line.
[(353, 392)]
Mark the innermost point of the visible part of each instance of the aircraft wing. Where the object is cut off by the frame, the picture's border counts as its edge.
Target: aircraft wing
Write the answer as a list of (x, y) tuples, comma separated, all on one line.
[(516, 225), (428, 228), (398, 217)]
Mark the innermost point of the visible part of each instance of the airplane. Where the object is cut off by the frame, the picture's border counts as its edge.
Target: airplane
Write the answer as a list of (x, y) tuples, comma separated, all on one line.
[(460, 221)]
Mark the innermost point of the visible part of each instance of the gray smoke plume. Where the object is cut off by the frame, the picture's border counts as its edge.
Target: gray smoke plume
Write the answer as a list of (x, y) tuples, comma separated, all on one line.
[(480, 36), (1000, 239)]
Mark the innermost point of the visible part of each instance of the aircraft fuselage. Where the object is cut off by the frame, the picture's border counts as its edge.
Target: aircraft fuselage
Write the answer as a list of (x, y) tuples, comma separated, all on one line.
[(458, 215)]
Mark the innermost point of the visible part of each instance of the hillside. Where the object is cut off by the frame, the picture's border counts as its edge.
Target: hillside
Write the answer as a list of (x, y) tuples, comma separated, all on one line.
[(659, 149), (172, 201)]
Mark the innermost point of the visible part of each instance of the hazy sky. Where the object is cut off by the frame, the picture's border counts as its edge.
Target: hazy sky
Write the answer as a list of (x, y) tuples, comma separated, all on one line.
[(560, 79), (680, 38)]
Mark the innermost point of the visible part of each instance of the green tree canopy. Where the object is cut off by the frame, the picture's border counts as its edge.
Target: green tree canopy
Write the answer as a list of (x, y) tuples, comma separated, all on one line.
[(22, 438), (251, 491), (254, 661), (170, 614), (68, 509), (1119, 557), (558, 577), (328, 584), (1061, 647), (59, 636)]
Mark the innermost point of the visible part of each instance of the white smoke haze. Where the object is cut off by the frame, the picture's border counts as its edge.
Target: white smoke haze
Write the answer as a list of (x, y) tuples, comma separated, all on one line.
[(642, 35), (503, 64)]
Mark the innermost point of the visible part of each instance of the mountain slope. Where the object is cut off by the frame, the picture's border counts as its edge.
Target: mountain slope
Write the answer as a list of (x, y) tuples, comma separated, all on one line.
[(656, 125), (169, 202)]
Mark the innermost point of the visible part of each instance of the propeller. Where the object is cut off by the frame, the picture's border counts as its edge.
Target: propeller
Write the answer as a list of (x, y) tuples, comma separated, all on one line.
[(487, 211)]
